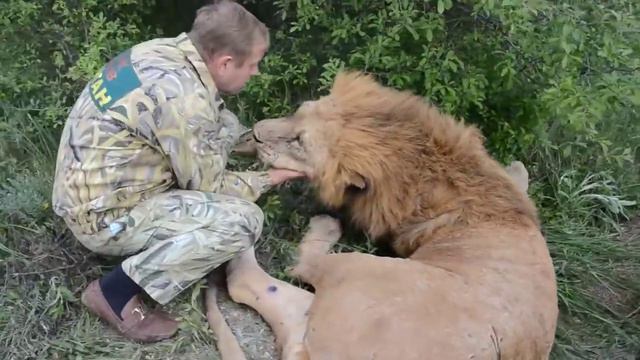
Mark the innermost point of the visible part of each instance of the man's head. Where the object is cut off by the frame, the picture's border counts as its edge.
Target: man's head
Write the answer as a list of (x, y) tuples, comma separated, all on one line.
[(232, 42)]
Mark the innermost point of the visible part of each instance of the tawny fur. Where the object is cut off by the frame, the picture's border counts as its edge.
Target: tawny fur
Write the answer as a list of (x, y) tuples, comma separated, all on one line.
[(475, 279), (418, 163)]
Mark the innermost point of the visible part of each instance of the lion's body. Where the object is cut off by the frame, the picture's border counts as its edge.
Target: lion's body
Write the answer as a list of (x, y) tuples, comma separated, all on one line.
[(459, 302), (475, 280)]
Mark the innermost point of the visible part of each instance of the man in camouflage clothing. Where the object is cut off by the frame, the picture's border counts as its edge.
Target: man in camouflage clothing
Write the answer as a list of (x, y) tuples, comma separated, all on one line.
[(141, 167)]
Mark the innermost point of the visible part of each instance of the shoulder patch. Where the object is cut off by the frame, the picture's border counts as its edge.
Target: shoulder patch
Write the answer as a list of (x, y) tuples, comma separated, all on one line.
[(117, 79)]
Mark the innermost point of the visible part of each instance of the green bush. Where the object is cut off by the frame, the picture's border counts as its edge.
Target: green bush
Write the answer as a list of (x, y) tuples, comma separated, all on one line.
[(512, 67), (51, 48)]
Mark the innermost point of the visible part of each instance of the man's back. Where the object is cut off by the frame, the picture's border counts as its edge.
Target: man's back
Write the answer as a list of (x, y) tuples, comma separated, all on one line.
[(111, 156)]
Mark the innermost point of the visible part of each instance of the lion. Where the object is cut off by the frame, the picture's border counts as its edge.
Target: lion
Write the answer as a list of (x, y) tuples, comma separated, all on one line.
[(473, 277)]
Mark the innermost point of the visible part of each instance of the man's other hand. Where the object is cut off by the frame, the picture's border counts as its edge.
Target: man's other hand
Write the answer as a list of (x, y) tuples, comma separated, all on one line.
[(246, 145), (279, 176)]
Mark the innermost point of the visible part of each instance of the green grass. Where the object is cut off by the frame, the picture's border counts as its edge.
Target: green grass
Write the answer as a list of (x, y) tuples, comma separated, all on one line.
[(598, 288)]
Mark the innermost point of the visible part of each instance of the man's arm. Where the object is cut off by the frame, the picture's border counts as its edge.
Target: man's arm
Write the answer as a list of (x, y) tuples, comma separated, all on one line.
[(197, 141), (248, 185), (245, 145)]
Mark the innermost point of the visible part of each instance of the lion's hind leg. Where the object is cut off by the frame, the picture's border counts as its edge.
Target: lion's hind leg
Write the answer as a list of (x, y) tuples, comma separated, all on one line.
[(284, 306)]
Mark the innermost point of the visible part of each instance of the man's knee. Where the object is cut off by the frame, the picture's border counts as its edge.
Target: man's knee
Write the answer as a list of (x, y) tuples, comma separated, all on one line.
[(243, 218), (254, 218), (233, 219)]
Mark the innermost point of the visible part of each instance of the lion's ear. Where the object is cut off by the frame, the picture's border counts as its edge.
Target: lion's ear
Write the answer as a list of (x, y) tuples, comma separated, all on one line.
[(355, 180), (336, 183)]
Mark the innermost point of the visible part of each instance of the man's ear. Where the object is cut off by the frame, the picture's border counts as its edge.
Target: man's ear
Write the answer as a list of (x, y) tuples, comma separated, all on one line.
[(222, 61)]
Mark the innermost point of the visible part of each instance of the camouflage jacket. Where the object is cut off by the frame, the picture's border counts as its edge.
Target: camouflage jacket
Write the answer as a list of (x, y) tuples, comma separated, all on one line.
[(151, 119)]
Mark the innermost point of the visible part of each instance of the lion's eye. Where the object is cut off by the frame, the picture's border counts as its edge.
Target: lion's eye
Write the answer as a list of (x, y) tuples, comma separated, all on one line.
[(298, 139)]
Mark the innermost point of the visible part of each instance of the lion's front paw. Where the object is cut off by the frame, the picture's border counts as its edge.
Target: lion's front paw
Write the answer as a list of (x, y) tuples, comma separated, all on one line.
[(325, 227)]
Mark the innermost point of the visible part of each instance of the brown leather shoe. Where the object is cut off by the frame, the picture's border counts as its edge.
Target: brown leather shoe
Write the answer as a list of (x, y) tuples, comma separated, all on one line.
[(137, 324)]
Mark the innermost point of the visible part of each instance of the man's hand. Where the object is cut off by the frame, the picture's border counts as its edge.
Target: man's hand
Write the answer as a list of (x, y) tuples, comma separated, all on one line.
[(246, 145), (279, 176)]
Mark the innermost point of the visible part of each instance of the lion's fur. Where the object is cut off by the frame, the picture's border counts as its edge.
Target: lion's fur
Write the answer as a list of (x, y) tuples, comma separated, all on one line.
[(424, 171), (475, 278)]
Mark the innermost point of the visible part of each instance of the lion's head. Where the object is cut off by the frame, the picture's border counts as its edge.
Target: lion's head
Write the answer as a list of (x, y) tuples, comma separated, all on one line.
[(391, 158)]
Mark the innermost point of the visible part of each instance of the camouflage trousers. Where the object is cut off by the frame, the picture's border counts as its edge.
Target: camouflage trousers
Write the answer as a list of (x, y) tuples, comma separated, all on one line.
[(178, 237)]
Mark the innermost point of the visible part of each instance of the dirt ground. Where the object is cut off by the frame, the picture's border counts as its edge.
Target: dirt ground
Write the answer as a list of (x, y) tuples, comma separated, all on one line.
[(253, 333), (631, 230)]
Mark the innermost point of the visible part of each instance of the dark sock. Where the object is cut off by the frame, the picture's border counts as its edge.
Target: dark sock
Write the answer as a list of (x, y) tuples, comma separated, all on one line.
[(118, 289)]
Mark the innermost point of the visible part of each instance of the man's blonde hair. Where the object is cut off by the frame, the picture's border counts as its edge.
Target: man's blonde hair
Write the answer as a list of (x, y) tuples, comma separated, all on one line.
[(226, 26)]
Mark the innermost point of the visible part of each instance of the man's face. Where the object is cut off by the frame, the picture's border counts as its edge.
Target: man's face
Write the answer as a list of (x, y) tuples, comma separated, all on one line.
[(230, 75)]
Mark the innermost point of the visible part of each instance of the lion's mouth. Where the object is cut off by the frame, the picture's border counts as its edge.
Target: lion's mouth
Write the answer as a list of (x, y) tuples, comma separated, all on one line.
[(271, 157)]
